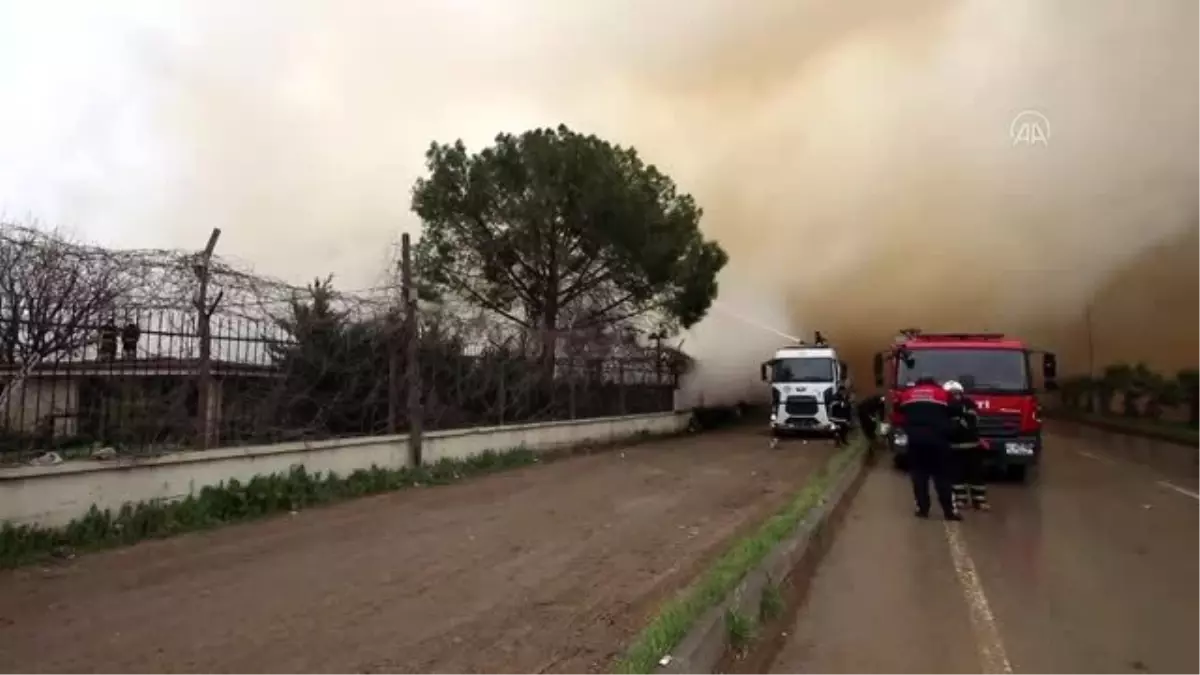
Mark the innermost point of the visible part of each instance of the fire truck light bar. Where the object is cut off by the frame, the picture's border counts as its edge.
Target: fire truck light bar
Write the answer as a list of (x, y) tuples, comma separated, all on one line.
[(959, 336)]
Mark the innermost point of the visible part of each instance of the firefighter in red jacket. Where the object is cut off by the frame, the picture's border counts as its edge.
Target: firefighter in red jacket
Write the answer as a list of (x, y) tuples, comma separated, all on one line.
[(925, 408)]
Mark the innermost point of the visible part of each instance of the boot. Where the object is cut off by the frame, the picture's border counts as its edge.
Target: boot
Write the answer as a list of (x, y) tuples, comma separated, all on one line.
[(962, 495), (979, 500)]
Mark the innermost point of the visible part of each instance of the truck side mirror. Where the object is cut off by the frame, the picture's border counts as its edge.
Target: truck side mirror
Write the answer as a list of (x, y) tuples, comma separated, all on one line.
[(879, 370), (764, 371), (845, 370), (1050, 371)]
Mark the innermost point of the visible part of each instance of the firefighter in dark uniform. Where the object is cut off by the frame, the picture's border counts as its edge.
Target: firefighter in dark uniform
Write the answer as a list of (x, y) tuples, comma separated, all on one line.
[(969, 488), (870, 412), (925, 407), (839, 416)]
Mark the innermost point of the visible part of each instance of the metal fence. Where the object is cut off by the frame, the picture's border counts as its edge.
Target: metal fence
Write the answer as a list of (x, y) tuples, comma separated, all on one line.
[(138, 383)]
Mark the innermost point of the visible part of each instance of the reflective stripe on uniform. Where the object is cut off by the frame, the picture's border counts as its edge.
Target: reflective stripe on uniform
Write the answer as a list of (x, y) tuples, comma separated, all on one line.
[(978, 495)]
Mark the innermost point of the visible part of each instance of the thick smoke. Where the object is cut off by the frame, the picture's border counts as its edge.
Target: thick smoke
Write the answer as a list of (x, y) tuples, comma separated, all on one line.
[(854, 157)]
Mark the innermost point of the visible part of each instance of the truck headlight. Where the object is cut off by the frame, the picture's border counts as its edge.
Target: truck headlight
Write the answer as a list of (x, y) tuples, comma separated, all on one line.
[(900, 439)]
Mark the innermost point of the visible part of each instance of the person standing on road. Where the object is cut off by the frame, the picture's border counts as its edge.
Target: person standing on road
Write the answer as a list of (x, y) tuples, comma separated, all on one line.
[(870, 412), (925, 407), (967, 462), (839, 416)]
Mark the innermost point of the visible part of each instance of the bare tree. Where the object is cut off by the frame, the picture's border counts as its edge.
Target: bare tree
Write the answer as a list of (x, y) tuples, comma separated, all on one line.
[(54, 295)]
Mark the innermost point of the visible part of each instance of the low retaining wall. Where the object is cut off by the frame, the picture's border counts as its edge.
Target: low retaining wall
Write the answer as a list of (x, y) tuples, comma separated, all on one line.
[(52, 496), (1169, 456)]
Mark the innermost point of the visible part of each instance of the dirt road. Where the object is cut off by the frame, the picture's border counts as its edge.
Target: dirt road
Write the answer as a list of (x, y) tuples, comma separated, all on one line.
[(1091, 568), (551, 567)]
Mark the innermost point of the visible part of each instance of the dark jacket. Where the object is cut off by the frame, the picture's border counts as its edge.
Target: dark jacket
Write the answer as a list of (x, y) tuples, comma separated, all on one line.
[(839, 410), (927, 421), (965, 432), (871, 407), (870, 412)]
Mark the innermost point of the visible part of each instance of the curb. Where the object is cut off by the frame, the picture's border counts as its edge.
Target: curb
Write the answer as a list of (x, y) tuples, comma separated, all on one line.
[(706, 645)]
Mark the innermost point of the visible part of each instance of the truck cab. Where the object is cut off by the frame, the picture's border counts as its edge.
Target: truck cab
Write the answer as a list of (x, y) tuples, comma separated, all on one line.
[(803, 379), (995, 373)]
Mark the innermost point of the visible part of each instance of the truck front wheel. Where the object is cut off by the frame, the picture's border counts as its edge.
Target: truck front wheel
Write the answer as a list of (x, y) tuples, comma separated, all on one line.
[(1016, 473)]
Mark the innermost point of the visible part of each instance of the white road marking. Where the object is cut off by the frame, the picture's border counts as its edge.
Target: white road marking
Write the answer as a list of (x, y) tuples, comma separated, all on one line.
[(987, 634), (1182, 491), (1099, 458), (1162, 483)]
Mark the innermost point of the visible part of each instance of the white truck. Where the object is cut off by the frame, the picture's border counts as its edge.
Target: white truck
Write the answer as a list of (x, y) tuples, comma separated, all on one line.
[(803, 380)]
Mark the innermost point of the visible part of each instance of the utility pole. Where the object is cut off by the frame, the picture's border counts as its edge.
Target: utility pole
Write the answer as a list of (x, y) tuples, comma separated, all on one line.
[(412, 368), (204, 312), (1091, 348)]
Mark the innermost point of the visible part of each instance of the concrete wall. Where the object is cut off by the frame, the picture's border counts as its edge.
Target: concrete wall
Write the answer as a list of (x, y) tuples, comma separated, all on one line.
[(34, 399), (54, 495)]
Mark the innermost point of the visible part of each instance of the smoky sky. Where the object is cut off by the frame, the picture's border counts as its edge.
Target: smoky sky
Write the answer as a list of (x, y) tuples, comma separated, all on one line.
[(853, 157)]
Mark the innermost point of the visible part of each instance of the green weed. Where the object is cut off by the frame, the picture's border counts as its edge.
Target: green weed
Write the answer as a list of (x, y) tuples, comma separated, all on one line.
[(770, 604), (740, 629)]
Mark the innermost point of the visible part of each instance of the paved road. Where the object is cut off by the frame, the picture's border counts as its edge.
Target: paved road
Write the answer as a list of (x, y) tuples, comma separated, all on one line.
[(543, 568), (1091, 568)]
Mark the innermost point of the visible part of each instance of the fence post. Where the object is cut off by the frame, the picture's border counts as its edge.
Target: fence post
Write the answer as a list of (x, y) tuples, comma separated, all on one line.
[(204, 325), (412, 342), (571, 385), (621, 387), (503, 403), (458, 377)]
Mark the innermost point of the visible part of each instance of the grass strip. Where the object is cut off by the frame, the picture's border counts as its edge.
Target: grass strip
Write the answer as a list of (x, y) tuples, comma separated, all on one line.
[(1171, 432), (235, 501), (677, 616)]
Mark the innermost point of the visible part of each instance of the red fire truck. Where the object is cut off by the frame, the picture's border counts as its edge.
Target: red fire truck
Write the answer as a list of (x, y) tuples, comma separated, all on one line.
[(994, 371)]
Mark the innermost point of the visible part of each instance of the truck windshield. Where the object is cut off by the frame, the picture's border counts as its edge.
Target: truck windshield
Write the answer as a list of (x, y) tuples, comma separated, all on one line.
[(802, 370), (995, 371)]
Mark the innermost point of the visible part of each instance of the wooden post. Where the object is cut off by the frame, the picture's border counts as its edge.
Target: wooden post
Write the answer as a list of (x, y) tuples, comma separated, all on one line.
[(412, 368), (204, 312)]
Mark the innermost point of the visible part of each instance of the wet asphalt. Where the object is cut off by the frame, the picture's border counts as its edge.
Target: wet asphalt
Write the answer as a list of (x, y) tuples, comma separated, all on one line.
[(1089, 567)]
